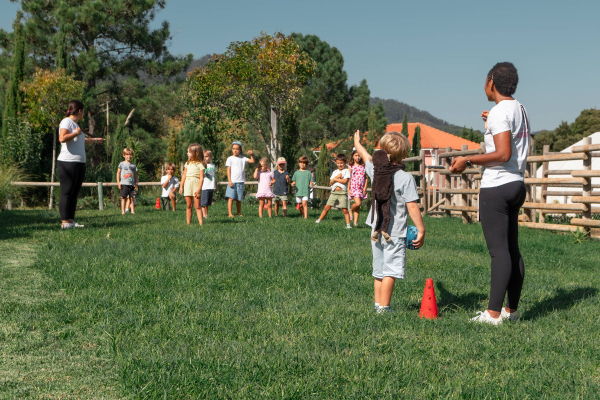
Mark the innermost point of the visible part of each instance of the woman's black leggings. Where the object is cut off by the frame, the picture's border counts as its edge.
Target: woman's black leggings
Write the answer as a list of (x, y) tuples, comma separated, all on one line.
[(70, 175), (499, 213)]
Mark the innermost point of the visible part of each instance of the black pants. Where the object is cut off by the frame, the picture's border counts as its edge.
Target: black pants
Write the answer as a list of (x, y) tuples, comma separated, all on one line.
[(499, 213), (70, 175)]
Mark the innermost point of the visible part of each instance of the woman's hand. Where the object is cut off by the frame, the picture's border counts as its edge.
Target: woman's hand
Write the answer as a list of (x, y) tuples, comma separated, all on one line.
[(181, 190), (77, 131), (459, 164)]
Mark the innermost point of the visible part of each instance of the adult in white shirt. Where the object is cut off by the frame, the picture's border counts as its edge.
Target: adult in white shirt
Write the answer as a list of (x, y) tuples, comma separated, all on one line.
[(71, 162), (502, 190)]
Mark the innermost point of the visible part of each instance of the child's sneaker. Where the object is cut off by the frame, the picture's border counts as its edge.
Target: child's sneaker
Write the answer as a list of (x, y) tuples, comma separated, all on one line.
[(76, 225), (385, 310), (68, 225), (376, 307), (348, 226), (485, 317), (509, 316), (127, 211), (318, 221)]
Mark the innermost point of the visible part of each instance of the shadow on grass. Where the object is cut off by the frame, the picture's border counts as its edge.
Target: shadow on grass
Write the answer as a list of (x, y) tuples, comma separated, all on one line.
[(563, 299), (20, 224), (450, 303)]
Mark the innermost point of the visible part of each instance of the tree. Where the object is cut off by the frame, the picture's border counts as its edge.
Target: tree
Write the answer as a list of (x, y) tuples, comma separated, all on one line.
[(62, 57), (46, 97), (416, 150), (14, 99), (405, 126), (322, 172), (246, 82), (377, 123)]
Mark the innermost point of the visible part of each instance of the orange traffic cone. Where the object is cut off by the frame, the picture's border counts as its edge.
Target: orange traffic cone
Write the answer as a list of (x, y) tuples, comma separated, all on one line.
[(157, 206), (429, 308)]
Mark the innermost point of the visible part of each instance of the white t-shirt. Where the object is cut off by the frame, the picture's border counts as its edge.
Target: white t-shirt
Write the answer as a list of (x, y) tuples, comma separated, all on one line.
[(73, 151), (507, 116), (345, 175), (209, 182), (173, 183), (238, 168)]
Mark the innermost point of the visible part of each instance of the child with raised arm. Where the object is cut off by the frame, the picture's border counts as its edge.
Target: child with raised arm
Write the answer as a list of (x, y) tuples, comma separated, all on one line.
[(358, 184), (339, 189), (264, 194), (280, 187), (236, 175), (389, 256), (210, 184), (191, 181), (302, 181), (127, 177), (169, 184)]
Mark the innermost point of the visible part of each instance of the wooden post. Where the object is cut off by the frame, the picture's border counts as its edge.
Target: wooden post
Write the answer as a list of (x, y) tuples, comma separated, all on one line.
[(100, 197), (464, 197), (447, 182), (545, 166), (587, 187), (423, 183)]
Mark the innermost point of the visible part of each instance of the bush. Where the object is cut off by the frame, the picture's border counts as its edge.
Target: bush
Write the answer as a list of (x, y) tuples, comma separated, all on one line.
[(10, 174)]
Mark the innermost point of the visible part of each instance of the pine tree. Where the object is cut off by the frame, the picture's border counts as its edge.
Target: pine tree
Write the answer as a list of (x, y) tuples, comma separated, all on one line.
[(323, 170), (14, 99), (62, 57), (405, 126), (416, 149)]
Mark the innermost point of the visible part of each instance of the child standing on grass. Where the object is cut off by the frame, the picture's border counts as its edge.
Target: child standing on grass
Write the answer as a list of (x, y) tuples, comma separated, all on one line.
[(192, 180), (264, 194), (169, 185), (302, 181), (127, 177), (236, 175), (210, 184), (339, 190), (280, 187), (389, 257), (358, 184)]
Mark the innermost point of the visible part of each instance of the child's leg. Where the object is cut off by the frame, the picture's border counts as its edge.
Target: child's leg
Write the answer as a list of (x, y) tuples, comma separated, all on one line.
[(305, 208), (230, 206), (238, 204), (386, 290), (204, 212), (269, 205), (261, 204), (123, 202), (173, 202), (284, 208), (276, 208), (131, 204), (356, 209), (346, 215), (325, 211), (189, 204), (198, 210), (377, 287)]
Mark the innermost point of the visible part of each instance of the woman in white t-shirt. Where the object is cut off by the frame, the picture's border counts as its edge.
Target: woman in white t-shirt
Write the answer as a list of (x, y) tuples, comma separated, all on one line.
[(71, 162), (502, 190)]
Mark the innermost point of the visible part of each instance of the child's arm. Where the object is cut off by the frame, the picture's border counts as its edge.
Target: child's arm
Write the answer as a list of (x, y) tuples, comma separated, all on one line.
[(359, 147), (415, 215), (273, 181), (229, 176), (182, 181), (256, 172), (251, 160), (119, 178), (166, 183), (365, 188), (200, 182)]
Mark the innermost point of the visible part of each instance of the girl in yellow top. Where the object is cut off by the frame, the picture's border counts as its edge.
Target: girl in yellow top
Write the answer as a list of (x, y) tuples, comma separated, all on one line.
[(191, 181)]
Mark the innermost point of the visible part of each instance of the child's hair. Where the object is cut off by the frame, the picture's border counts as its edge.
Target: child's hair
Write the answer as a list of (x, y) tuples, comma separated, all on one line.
[(237, 142), (396, 145), (207, 153), (341, 157), (303, 160), (197, 153), (74, 107), (264, 160), (505, 78), (127, 150), (352, 162), (170, 166)]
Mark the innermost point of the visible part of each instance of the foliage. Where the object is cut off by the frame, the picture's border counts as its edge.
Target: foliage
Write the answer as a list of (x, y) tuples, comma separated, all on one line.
[(21, 146), (415, 151), (62, 57), (471, 135), (9, 174), (579, 236), (245, 82), (323, 169), (404, 130), (565, 135), (377, 123), (14, 99)]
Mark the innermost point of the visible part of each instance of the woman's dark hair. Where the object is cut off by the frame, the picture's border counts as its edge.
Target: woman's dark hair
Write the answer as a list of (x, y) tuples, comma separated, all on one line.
[(505, 78), (74, 107), (351, 162)]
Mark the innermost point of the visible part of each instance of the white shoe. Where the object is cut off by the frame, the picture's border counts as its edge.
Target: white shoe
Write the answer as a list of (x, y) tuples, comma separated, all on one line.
[(385, 310), (68, 225), (76, 225), (507, 316), (485, 317), (318, 221), (127, 211), (348, 226)]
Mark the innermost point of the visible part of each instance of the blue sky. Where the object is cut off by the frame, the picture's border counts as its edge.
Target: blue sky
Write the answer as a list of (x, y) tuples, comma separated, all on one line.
[(433, 55)]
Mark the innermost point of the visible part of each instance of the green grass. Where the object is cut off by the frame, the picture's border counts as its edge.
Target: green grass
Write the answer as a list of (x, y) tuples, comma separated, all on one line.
[(146, 307)]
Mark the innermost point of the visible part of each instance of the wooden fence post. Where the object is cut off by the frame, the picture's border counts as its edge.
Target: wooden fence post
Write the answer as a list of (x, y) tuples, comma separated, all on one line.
[(447, 182), (587, 186), (423, 182), (544, 197), (100, 197), (465, 197)]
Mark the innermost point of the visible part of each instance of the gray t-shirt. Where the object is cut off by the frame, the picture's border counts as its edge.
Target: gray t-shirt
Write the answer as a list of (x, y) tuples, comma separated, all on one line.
[(74, 150), (128, 173), (280, 187), (405, 191)]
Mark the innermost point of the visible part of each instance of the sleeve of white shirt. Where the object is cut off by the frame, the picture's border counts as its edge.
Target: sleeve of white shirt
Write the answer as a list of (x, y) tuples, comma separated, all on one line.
[(228, 162), (164, 179), (369, 170), (346, 174), (498, 121)]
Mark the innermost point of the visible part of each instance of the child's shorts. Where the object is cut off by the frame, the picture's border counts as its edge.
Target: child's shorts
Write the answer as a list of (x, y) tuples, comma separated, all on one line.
[(389, 258), (301, 199), (280, 198), (127, 191), (236, 192), (207, 197), (191, 185), (338, 198)]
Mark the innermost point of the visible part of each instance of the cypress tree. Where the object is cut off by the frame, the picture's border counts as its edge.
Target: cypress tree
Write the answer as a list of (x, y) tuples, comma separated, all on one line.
[(62, 57), (416, 148), (322, 171), (13, 99), (405, 125)]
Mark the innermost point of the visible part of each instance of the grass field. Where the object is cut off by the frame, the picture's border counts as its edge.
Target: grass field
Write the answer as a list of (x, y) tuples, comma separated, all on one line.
[(146, 307)]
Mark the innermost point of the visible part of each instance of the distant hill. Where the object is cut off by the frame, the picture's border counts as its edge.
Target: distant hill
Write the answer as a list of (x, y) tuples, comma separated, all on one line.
[(395, 110)]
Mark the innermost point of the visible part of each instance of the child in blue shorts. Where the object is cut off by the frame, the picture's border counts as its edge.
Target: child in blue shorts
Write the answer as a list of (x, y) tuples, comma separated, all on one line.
[(236, 175), (389, 256)]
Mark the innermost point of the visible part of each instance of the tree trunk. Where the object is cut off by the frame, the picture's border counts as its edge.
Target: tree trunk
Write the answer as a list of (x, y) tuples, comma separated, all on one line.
[(275, 145), (51, 200)]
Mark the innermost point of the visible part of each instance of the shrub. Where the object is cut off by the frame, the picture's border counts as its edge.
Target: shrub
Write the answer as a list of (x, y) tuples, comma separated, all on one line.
[(10, 174)]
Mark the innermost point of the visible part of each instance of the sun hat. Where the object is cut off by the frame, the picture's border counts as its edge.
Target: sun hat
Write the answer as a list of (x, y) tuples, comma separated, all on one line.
[(281, 160), (237, 142)]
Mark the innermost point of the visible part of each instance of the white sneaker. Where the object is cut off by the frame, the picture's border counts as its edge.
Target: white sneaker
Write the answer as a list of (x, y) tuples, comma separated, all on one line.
[(76, 225), (127, 211), (507, 316), (385, 310), (318, 221), (485, 317), (348, 226), (68, 225)]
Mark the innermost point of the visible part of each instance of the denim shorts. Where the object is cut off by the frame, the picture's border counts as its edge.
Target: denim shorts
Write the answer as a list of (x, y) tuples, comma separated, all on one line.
[(389, 258), (207, 197), (236, 192)]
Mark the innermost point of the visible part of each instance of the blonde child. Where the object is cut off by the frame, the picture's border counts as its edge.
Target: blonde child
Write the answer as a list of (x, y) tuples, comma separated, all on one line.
[(389, 257), (236, 175), (358, 184), (302, 181), (264, 194), (191, 181), (127, 177), (169, 184), (339, 190), (280, 187), (210, 183)]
